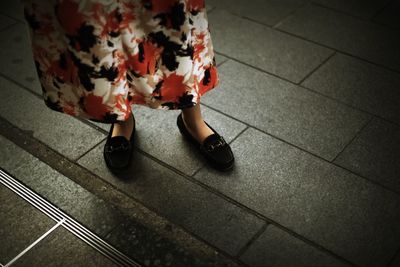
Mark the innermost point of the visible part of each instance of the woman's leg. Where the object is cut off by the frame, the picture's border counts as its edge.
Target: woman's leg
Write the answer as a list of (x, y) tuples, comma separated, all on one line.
[(191, 117), (124, 128), (195, 124)]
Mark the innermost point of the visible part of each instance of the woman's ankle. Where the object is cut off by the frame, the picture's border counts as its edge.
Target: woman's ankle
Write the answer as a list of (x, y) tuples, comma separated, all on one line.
[(123, 128), (197, 127)]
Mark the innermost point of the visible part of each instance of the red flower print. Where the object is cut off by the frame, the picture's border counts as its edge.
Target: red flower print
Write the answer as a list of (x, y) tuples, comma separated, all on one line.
[(162, 6), (69, 16), (94, 106), (209, 81), (144, 62), (173, 87), (195, 5)]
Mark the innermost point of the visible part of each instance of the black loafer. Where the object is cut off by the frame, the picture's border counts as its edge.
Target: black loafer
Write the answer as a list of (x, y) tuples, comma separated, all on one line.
[(118, 150), (214, 148)]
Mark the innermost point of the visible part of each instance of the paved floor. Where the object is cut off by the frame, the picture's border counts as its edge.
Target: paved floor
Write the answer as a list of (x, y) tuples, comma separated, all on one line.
[(309, 99), (35, 232)]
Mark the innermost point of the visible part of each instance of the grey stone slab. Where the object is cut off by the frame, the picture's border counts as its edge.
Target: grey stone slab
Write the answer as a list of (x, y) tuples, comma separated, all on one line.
[(20, 224), (263, 47), (187, 204), (16, 57), (62, 248), (91, 211), (390, 15), (360, 38), (5, 22), (279, 249), (268, 12), (158, 135), (154, 250), (396, 261), (209, 7), (361, 8), (360, 84), (60, 131), (12, 8), (375, 154), (105, 126), (306, 119), (324, 203), (220, 59)]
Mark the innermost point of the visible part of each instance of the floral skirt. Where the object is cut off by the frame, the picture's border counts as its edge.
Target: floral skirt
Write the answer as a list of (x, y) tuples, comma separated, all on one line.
[(95, 58)]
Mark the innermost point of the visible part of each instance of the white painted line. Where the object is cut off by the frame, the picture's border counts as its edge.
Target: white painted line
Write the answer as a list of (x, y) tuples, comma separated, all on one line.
[(70, 224), (34, 243)]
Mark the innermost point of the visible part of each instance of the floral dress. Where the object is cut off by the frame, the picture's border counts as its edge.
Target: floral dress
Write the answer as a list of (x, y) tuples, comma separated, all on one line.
[(96, 58)]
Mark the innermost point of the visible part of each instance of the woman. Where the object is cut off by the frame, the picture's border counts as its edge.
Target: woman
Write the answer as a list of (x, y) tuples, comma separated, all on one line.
[(96, 58)]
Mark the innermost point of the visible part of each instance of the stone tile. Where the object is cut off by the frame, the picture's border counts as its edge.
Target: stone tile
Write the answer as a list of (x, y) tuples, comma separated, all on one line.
[(359, 84), (20, 224), (158, 135), (209, 7), (263, 47), (390, 15), (375, 154), (361, 8), (184, 203), (279, 249), (62, 248), (325, 204), (152, 249), (301, 117), (13, 9), (17, 59), (219, 59), (360, 38), (268, 12), (70, 197), (5, 22), (61, 132), (396, 261)]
